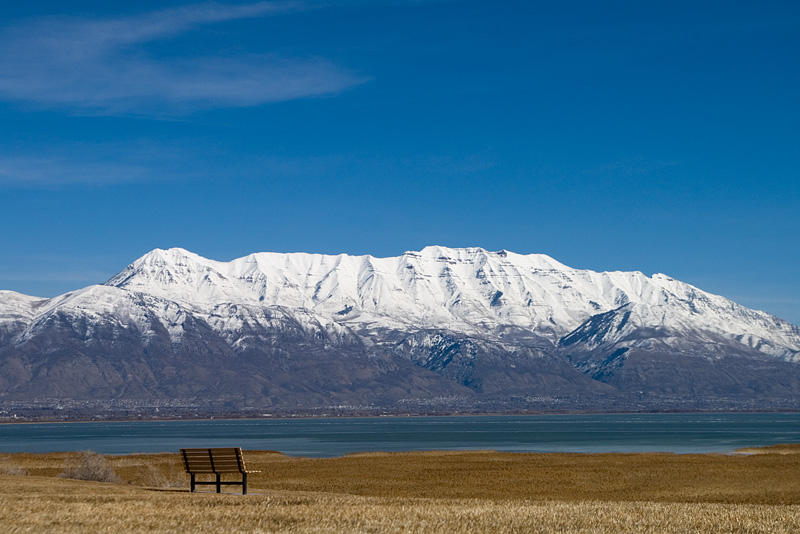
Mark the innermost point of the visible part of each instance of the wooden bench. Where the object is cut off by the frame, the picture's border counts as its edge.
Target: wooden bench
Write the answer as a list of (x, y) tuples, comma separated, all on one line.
[(216, 461)]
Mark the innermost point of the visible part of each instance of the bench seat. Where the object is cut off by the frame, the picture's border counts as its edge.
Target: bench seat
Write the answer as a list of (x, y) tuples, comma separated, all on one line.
[(216, 461)]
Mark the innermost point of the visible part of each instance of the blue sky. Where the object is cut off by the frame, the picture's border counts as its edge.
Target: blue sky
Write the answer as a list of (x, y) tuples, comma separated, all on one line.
[(650, 136)]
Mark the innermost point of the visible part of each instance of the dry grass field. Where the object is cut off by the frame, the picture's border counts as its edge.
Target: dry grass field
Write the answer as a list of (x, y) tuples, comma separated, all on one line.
[(478, 491)]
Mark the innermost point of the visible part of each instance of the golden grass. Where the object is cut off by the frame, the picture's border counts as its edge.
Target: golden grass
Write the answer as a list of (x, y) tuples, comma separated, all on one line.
[(416, 492), (781, 448)]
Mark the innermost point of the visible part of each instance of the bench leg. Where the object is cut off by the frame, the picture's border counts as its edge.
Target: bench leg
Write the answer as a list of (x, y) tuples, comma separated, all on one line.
[(192, 483), (244, 483), (219, 484)]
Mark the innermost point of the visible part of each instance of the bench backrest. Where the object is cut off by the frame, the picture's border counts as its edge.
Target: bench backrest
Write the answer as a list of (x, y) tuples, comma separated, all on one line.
[(214, 460)]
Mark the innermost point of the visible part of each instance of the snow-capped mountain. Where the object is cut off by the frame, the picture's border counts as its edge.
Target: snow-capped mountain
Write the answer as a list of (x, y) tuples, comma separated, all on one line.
[(470, 291), (466, 324)]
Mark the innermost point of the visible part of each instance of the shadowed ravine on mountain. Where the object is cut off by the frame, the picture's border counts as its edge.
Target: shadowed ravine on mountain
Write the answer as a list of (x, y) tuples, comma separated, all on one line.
[(441, 330)]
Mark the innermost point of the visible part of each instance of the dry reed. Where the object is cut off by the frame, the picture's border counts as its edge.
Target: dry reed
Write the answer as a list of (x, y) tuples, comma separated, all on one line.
[(418, 492)]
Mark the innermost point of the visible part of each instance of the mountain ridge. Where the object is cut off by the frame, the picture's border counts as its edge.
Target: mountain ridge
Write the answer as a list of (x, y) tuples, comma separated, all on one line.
[(328, 274), (486, 330)]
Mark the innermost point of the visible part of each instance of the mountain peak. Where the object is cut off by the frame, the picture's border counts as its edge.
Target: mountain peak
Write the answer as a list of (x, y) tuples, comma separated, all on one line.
[(170, 255), (472, 254), (435, 251)]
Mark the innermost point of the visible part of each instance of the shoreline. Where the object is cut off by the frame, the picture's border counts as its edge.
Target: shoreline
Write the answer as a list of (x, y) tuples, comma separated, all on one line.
[(301, 416)]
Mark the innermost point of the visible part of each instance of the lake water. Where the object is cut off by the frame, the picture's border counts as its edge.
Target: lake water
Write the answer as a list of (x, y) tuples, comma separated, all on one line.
[(678, 433)]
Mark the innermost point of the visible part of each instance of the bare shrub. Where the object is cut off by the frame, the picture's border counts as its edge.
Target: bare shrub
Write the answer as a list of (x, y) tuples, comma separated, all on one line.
[(7, 468), (92, 466), (152, 476)]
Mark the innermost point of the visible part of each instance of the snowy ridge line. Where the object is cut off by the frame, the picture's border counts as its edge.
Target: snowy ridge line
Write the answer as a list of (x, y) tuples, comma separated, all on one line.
[(470, 291), (467, 290)]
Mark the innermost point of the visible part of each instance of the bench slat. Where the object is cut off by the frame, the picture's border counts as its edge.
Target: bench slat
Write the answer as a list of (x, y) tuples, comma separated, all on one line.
[(214, 460)]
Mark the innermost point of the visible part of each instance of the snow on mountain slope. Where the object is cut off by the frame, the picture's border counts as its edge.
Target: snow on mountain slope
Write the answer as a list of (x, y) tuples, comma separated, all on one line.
[(96, 306), (15, 305), (469, 290), (16, 312), (684, 308), (665, 328)]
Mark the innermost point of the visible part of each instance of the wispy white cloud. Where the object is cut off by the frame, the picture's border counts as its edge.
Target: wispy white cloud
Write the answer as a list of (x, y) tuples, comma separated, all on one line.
[(36, 171), (101, 66), (99, 163)]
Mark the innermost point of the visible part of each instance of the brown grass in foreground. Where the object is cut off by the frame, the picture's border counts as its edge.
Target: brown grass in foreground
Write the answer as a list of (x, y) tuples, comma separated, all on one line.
[(415, 492)]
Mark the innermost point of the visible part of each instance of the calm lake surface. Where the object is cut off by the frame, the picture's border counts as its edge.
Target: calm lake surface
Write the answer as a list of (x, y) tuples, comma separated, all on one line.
[(679, 433)]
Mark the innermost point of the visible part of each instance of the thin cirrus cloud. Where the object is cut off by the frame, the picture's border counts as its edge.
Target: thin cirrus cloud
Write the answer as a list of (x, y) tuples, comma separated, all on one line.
[(100, 66), (54, 170)]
